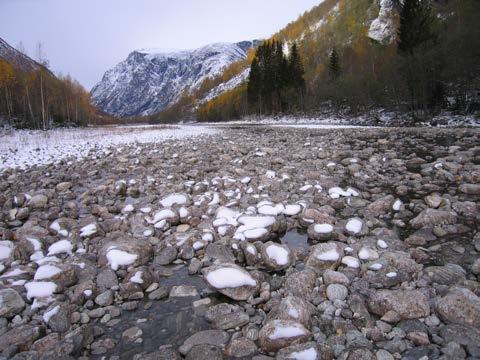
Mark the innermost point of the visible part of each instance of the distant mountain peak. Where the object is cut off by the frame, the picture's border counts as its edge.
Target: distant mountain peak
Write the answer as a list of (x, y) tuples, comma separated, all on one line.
[(150, 80)]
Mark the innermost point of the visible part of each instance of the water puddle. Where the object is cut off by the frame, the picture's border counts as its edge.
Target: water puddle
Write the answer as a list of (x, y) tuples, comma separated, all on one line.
[(168, 322), (296, 239)]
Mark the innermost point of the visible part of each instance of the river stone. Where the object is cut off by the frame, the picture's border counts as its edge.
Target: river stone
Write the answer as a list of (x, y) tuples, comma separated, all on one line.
[(106, 279), (449, 274), (38, 202), (292, 308), (300, 283), (277, 334), (335, 277), (60, 320), (408, 304), (276, 256), (21, 336), (241, 348), (135, 246), (205, 352), (231, 321), (460, 306), (239, 293), (11, 303), (336, 292), (302, 351), (325, 256), (470, 189), (219, 310), (432, 217), (166, 256), (207, 337)]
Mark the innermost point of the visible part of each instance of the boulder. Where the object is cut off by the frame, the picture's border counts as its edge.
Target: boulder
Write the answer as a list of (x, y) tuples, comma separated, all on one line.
[(231, 280), (408, 304), (460, 306)]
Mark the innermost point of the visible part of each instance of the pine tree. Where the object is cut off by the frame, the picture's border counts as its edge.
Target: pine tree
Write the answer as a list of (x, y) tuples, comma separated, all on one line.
[(296, 70), (334, 65), (415, 25), (254, 80)]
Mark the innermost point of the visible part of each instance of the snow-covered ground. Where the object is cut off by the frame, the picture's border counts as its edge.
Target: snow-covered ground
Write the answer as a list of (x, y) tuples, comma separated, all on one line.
[(24, 148)]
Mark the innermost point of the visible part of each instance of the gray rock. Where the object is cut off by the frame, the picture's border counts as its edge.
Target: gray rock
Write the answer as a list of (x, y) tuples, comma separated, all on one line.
[(460, 306), (408, 304), (470, 189), (59, 321), (105, 298), (38, 202), (183, 291), (432, 217), (449, 274), (11, 303), (241, 348), (106, 279), (336, 292)]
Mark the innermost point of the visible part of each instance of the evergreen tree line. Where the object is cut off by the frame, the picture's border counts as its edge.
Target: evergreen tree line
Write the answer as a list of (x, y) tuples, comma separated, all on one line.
[(276, 82), (37, 99)]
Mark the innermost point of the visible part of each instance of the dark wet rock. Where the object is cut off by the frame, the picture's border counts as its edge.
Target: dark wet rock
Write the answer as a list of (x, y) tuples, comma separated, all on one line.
[(460, 306), (21, 337), (231, 321), (217, 338), (408, 304), (166, 256), (220, 252), (205, 352), (467, 336)]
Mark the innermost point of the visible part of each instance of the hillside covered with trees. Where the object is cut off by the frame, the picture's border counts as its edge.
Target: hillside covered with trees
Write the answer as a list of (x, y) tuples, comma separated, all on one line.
[(31, 96), (430, 63)]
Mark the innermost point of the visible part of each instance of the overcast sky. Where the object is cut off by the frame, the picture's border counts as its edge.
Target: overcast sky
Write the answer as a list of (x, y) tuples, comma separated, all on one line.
[(84, 38)]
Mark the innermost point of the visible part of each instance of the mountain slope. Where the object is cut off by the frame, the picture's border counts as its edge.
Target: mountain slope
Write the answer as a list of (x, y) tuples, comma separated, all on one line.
[(148, 81), (373, 72), (16, 58)]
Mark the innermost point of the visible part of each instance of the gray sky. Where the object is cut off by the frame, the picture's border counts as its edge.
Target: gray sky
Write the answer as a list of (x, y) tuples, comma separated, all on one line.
[(84, 38)]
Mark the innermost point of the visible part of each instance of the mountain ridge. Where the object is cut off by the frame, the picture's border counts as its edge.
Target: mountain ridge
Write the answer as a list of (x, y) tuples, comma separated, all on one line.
[(148, 81)]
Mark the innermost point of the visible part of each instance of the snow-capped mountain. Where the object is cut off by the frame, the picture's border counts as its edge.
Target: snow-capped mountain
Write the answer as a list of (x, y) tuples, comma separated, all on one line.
[(148, 81), (16, 58)]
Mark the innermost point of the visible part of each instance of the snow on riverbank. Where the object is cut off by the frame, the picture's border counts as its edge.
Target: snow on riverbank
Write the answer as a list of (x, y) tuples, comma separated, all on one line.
[(24, 148)]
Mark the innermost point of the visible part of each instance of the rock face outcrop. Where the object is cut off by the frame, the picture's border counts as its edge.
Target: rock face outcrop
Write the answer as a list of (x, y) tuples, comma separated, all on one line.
[(383, 28)]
